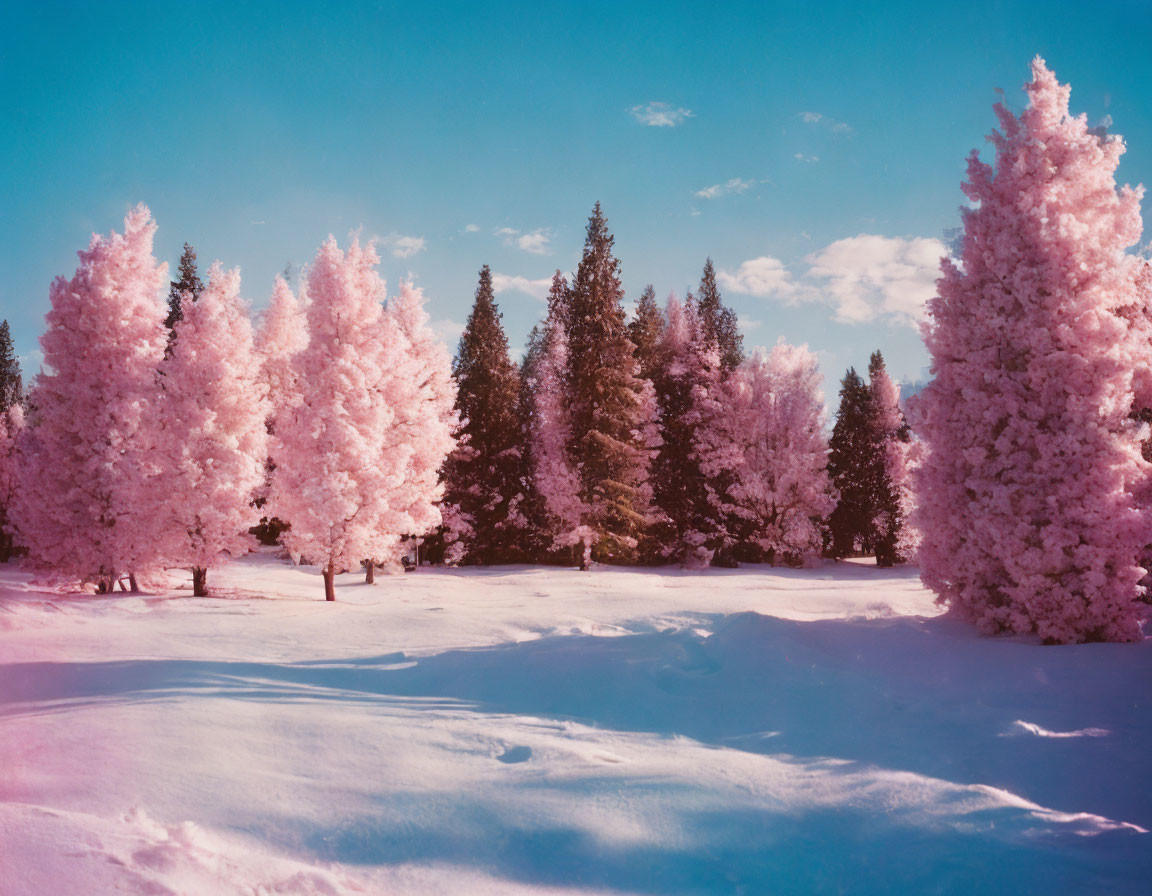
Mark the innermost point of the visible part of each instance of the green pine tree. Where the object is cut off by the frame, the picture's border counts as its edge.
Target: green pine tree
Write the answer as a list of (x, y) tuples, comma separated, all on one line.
[(852, 467), (719, 321), (189, 283), (484, 475), (613, 427), (645, 330), (11, 382)]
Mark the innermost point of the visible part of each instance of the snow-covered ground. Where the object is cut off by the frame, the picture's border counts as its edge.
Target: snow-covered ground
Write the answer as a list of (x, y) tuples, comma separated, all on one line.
[(526, 730)]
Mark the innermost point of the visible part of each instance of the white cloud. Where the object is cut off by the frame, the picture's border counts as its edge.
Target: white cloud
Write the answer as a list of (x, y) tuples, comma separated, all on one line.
[(863, 278), (403, 246), (471, 228), (30, 363), (536, 241), (660, 115), (765, 277), (807, 159), (816, 118), (447, 331), (732, 185), (538, 289), (868, 276)]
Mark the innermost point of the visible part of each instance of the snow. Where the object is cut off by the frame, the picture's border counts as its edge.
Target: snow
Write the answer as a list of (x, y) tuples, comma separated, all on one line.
[(529, 730)]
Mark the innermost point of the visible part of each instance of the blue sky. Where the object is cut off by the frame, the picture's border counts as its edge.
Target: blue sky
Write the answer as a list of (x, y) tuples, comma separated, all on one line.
[(813, 150)]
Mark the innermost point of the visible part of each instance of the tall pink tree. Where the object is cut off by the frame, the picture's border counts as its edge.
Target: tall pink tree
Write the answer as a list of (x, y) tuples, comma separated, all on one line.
[(773, 444), (1026, 494), (281, 335), (556, 476), (423, 395), (85, 505), (214, 410), (346, 448)]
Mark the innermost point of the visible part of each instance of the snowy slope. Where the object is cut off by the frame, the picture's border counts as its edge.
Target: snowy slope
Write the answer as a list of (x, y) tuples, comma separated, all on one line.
[(536, 730)]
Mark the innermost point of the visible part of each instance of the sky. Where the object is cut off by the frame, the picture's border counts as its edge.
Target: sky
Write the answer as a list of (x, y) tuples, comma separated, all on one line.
[(813, 150)]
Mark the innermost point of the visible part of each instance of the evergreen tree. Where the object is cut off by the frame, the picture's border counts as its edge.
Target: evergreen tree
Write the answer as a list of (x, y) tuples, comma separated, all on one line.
[(890, 435), (189, 283), (11, 383), (646, 330), (718, 321), (687, 382), (483, 476), (613, 429), (1030, 491), (852, 466), (540, 525), (86, 502)]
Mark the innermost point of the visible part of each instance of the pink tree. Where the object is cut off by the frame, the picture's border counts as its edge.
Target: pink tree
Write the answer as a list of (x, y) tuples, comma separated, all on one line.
[(282, 334), (215, 441), (11, 423), (85, 506), (773, 443), (688, 493), (1026, 494), (423, 394), (556, 477), (345, 450)]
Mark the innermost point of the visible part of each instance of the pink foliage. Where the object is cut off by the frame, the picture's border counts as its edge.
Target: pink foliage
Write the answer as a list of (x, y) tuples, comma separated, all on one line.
[(353, 453), (556, 476), (87, 465), (282, 334), (895, 456), (773, 443), (214, 441), (424, 396), (1027, 514)]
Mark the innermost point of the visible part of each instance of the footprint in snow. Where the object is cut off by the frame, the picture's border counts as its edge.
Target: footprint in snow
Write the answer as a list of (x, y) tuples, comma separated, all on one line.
[(515, 754)]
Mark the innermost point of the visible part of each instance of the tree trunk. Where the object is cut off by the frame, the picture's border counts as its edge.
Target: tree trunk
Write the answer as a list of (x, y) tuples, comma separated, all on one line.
[(329, 582), (199, 581), (133, 587), (370, 572), (123, 587)]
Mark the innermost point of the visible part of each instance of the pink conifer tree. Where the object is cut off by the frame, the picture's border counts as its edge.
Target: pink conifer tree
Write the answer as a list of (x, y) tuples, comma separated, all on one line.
[(556, 476), (423, 394), (1026, 494), (85, 507), (215, 439), (774, 444), (340, 468), (282, 334)]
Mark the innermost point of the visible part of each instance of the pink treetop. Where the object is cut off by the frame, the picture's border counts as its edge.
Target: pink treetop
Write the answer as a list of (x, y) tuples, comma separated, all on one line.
[(215, 441), (87, 466), (896, 457), (775, 425), (1027, 513), (283, 333)]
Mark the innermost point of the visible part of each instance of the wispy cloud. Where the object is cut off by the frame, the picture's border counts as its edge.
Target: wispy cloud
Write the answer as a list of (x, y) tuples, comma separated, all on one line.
[(403, 246), (808, 160), (447, 331), (862, 278), (538, 241), (821, 120), (538, 289), (660, 115), (730, 186), (471, 228)]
